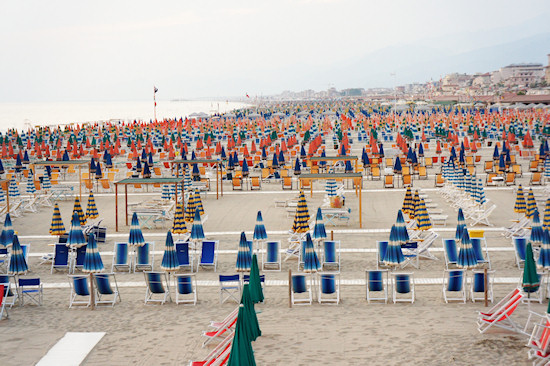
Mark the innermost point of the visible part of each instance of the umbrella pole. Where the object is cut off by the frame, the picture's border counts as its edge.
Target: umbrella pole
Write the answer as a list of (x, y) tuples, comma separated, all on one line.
[(485, 287), (92, 297), (289, 288)]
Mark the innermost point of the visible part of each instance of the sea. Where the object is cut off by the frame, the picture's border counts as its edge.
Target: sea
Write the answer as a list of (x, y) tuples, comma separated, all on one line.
[(27, 115)]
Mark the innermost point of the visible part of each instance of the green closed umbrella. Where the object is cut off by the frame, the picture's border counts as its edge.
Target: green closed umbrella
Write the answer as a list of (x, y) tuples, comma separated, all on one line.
[(530, 281), (241, 349), (251, 319), (256, 292)]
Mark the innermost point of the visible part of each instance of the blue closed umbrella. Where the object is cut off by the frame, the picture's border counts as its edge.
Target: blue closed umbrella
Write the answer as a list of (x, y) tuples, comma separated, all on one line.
[(421, 150), (496, 153), (466, 255), (98, 172), (319, 232), (6, 237), (311, 261), (108, 161), (136, 236), (18, 264), (401, 228), (348, 168), (461, 225), (397, 168), (544, 256), (394, 254), (281, 158), (275, 161), (536, 228), (245, 168), (323, 163), (501, 163), (197, 232), (259, 229), (76, 237), (365, 158), (92, 259), (343, 150), (170, 260), (297, 167), (244, 254)]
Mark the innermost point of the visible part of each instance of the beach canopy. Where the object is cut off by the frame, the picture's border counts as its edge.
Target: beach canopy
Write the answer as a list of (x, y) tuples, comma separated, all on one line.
[(170, 260), (18, 264), (311, 260), (6, 237), (57, 227), (259, 229), (301, 219), (92, 259), (136, 236), (244, 254)]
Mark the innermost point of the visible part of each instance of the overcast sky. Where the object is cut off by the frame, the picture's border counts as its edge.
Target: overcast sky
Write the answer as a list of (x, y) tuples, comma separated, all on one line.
[(116, 50)]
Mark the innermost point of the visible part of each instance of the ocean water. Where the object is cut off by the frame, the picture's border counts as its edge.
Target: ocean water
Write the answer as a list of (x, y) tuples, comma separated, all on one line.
[(24, 115)]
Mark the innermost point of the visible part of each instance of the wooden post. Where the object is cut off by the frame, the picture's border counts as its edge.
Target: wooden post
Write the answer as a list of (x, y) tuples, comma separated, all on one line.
[(126, 201), (361, 204), (332, 235), (485, 286), (92, 300), (80, 185), (289, 288), (116, 207)]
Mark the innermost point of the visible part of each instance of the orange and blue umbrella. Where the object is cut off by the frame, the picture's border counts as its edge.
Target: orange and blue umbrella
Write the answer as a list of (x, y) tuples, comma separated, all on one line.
[(244, 254), (407, 201)]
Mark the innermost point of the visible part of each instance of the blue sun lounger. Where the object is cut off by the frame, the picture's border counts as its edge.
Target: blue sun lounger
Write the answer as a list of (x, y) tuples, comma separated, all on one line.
[(377, 284), (60, 258), (80, 291), (144, 257), (301, 290), (271, 257), (454, 284), (209, 254), (403, 287), (156, 287), (451, 253), (121, 258), (329, 289), (105, 294), (186, 289), (185, 258)]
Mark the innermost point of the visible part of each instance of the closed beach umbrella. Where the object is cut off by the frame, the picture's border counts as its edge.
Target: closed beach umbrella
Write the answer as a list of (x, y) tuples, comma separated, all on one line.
[(546, 218), (331, 187), (170, 261), (2, 196), (275, 161), (146, 170), (245, 168), (461, 225), (187, 180), (18, 264), (46, 183), (402, 233), (198, 202), (91, 208), (247, 301), (530, 280), (544, 256), (78, 209), (311, 260), (136, 236), (13, 189), (301, 219), (394, 254), (466, 255), (197, 232), (348, 168), (397, 168), (92, 259), (6, 237), (179, 226), (165, 195), (406, 207), (364, 158), (520, 205), (76, 236), (57, 227), (480, 197), (536, 228), (259, 229), (190, 208), (297, 167), (281, 158), (531, 204), (98, 171), (256, 292), (241, 348), (244, 254), (30, 188), (319, 232), (422, 217)]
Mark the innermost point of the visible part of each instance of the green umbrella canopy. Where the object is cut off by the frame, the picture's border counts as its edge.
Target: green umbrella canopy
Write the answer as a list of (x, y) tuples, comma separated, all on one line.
[(252, 324), (241, 349), (256, 293), (530, 281)]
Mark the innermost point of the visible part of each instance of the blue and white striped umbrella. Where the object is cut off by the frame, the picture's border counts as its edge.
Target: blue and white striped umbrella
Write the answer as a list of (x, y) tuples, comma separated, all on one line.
[(46, 183), (536, 228), (331, 187), (466, 255), (6, 237), (480, 193), (76, 236), (259, 229), (187, 180), (544, 258), (394, 254), (461, 225), (197, 232), (402, 233), (311, 260), (165, 192), (319, 232), (18, 264), (244, 254), (2, 195), (30, 188), (547, 168), (13, 189), (170, 260), (136, 236), (92, 259)]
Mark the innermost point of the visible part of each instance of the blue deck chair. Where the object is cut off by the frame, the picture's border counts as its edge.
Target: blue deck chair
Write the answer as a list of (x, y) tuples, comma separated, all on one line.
[(451, 253), (271, 256), (186, 289), (209, 254), (10, 295), (105, 294), (382, 247), (301, 255), (121, 260), (520, 245), (376, 283), (301, 290), (185, 258), (156, 282), (403, 287), (79, 290), (477, 285), (30, 288), (331, 255), (60, 258), (230, 288), (4, 257), (478, 250), (144, 257), (454, 284), (80, 255), (329, 288)]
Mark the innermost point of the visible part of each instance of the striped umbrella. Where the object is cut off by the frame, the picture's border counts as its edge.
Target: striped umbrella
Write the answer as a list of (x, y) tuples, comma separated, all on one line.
[(92, 259), (536, 228), (402, 233), (18, 264), (480, 193), (57, 227), (407, 202), (46, 183), (331, 187), (461, 225), (414, 205), (187, 180), (311, 261), (30, 188), (466, 255), (91, 208), (6, 237), (547, 168), (197, 232), (301, 218), (546, 217), (259, 229), (422, 217), (170, 262), (13, 189), (544, 257), (244, 254), (165, 195), (319, 232), (76, 236), (190, 208), (136, 236), (2, 195), (520, 205), (179, 226), (394, 254), (198, 202), (78, 209), (531, 204)]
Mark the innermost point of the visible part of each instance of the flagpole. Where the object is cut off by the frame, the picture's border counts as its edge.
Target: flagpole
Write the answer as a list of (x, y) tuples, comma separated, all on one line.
[(155, 102)]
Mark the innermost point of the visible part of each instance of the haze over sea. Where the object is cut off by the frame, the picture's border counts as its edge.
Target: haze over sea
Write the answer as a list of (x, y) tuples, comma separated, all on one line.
[(23, 115)]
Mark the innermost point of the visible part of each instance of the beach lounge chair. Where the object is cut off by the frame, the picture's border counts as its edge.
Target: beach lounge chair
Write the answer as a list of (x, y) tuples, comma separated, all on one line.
[(60, 258), (301, 290), (539, 343), (407, 180), (454, 284), (209, 254), (3, 310), (510, 179), (329, 288), (377, 282), (382, 247), (10, 295), (271, 256), (230, 288), (78, 261), (410, 253), (477, 286), (219, 355), (500, 314), (520, 246), (157, 286), (482, 217), (4, 258), (186, 289), (287, 183), (516, 228), (185, 258), (388, 181), (237, 183), (255, 183), (105, 294), (144, 257), (403, 287), (331, 255), (536, 179), (30, 288), (80, 291), (439, 181), (221, 330), (121, 258)]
